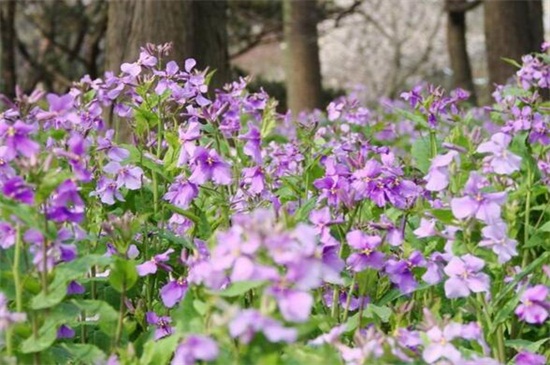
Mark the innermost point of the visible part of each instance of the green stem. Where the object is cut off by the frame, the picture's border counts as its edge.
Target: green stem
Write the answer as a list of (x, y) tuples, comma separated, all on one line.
[(525, 260), (16, 276), (501, 355), (348, 299), (433, 143), (120, 316)]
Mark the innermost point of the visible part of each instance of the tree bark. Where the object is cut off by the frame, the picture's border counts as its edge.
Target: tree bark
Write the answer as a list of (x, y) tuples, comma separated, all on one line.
[(512, 28), (457, 48), (8, 39), (303, 69)]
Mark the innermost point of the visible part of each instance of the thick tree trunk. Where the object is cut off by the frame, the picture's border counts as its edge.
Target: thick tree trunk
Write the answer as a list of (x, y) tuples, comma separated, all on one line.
[(458, 52), (303, 70), (512, 29), (196, 28), (8, 40)]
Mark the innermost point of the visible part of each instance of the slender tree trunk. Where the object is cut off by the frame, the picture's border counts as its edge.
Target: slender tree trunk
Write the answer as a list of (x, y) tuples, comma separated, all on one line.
[(458, 51), (8, 39), (512, 28), (303, 70)]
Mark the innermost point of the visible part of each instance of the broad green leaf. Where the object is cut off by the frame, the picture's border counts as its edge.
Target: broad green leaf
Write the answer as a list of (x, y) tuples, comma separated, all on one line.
[(123, 274), (99, 312), (159, 352), (46, 337), (421, 153), (186, 316), (49, 182), (84, 353), (526, 345)]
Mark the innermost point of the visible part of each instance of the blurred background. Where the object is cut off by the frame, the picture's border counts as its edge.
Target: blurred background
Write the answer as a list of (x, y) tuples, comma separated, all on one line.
[(302, 52)]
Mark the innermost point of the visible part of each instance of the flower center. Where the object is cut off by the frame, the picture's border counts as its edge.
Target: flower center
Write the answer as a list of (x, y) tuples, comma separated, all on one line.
[(209, 161), (528, 303), (11, 131), (478, 197), (366, 251)]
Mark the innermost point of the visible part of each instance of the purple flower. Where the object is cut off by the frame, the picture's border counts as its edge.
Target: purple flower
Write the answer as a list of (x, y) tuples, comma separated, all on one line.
[(294, 305), (255, 178), (8, 318), (16, 139), (252, 146), (173, 292), (107, 190), (367, 255), (208, 165), (534, 306), (331, 337), (66, 205), (127, 176), (157, 261), (495, 237), (365, 179), (65, 331), (465, 276), (426, 228), (17, 189), (187, 139), (249, 322), (501, 160), (529, 358), (162, 324), (113, 152), (334, 188), (440, 344), (354, 302), (195, 348), (7, 235), (400, 272), (75, 288), (181, 193), (437, 178), (476, 203)]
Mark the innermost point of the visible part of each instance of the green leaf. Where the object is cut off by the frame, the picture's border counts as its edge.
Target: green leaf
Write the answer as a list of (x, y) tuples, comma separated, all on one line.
[(101, 312), (49, 182), (302, 213), (46, 337), (123, 275), (64, 273), (545, 227), (84, 353), (159, 352), (421, 153), (187, 317), (443, 215), (382, 312), (525, 345), (239, 288)]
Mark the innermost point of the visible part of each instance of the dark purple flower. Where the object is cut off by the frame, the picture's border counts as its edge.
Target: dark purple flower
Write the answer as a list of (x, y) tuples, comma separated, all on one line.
[(400, 272), (157, 261), (334, 188), (173, 292), (534, 307), (249, 322), (66, 205), (75, 288), (195, 348), (208, 165), (65, 331), (17, 189), (465, 276), (162, 324), (367, 256), (16, 138)]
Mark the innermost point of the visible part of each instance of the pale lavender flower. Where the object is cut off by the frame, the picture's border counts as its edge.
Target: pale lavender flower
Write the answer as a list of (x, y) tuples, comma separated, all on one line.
[(501, 160), (426, 228), (107, 190), (7, 235), (440, 346), (249, 322), (252, 146), (16, 138), (476, 203), (157, 261), (465, 276), (534, 307), (208, 165), (400, 272), (181, 193), (525, 357), (8, 318), (329, 338), (187, 138), (495, 237), (437, 178), (126, 176), (195, 348)]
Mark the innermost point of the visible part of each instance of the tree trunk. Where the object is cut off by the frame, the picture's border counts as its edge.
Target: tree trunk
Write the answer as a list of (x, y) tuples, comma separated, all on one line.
[(512, 29), (303, 70), (458, 52), (197, 30), (8, 39)]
